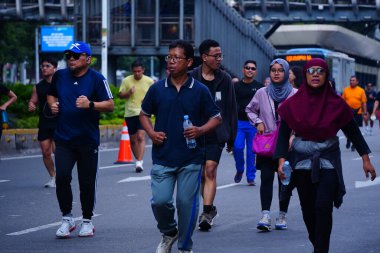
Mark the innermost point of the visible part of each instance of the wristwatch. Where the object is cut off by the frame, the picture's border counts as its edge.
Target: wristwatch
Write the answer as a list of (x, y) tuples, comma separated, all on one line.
[(92, 105)]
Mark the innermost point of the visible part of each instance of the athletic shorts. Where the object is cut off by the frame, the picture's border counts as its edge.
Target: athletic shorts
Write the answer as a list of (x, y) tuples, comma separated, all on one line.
[(45, 134), (133, 124), (214, 151)]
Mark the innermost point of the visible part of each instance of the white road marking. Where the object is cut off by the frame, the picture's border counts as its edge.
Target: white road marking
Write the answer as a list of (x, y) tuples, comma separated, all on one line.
[(115, 166), (3, 181), (226, 186), (367, 183), (134, 179), (30, 230)]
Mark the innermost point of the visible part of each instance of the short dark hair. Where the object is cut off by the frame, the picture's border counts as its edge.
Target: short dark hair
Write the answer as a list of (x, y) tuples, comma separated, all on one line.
[(50, 60), (185, 45), (205, 46), (137, 63), (250, 61)]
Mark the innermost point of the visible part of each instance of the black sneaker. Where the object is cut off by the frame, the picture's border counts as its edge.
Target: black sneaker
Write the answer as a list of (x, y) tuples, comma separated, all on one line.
[(206, 220)]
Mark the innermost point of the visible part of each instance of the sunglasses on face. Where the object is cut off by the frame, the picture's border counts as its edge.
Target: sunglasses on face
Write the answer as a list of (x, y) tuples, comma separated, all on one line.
[(311, 71), (74, 55), (249, 68)]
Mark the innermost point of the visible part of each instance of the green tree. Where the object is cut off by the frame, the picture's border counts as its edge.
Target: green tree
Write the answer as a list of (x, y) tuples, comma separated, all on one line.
[(16, 43)]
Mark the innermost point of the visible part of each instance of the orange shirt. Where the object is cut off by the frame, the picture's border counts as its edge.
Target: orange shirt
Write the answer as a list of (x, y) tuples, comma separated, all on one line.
[(354, 97)]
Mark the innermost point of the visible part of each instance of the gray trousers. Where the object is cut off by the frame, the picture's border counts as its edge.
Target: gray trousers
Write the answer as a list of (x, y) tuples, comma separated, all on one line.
[(188, 180)]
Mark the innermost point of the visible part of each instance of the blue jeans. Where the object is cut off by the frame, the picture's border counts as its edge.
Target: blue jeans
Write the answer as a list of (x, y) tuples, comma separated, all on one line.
[(188, 180), (244, 138)]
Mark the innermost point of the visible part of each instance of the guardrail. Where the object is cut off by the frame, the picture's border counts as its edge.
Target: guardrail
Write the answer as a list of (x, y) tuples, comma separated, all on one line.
[(24, 141)]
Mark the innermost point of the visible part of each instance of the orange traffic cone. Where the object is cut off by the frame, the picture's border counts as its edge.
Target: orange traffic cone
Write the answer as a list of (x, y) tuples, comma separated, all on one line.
[(125, 154)]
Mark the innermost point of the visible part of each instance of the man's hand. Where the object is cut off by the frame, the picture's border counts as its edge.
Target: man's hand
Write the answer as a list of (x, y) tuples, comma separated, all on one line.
[(82, 102), (54, 108), (158, 138)]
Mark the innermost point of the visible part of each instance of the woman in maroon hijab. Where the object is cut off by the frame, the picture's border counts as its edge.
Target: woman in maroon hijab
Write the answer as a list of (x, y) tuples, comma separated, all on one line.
[(315, 114)]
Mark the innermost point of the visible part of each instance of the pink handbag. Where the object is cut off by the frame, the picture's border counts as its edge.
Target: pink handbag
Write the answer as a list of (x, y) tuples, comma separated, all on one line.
[(265, 144)]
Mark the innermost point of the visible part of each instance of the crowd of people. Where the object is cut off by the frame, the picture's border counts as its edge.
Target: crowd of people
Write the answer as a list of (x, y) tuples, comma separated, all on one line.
[(297, 103)]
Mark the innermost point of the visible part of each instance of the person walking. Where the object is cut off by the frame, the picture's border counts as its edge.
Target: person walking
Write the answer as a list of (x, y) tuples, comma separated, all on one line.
[(133, 89), (245, 89), (174, 162), (355, 97), (371, 97), (77, 95), (375, 107), (262, 113), (295, 76), (3, 107), (47, 121), (222, 90), (315, 114)]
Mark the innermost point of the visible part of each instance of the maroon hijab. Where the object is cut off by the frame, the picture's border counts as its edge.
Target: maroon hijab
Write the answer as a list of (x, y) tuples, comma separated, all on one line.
[(315, 114)]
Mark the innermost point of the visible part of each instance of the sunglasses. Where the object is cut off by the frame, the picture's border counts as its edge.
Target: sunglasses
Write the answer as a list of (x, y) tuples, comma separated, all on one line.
[(249, 68), (74, 55), (312, 71)]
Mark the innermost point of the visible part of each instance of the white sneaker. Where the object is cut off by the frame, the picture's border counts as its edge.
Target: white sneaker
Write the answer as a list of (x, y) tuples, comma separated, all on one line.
[(139, 166), (50, 183), (87, 228), (185, 251), (265, 222), (67, 226), (281, 222), (166, 244)]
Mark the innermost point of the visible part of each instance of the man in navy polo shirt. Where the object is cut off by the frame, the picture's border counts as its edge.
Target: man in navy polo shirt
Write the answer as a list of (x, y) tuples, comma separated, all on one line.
[(169, 100), (77, 95)]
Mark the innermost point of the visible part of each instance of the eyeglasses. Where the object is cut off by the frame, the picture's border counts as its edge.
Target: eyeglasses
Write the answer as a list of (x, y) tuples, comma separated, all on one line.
[(76, 56), (216, 56), (175, 59), (277, 70), (312, 71), (46, 66), (249, 68)]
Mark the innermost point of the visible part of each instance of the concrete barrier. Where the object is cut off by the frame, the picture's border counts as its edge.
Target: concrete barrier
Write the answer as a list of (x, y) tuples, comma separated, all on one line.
[(24, 141)]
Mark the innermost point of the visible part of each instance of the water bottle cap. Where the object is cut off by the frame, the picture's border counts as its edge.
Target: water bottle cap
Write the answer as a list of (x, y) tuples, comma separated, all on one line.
[(286, 163), (186, 117)]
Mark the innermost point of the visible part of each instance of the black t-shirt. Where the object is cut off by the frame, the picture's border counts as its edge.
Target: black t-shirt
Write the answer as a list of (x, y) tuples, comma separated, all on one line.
[(3, 91), (47, 120), (244, 93)]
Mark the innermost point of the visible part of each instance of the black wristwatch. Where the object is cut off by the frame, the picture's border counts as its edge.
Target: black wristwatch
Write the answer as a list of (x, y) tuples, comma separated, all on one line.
[(92, 105)]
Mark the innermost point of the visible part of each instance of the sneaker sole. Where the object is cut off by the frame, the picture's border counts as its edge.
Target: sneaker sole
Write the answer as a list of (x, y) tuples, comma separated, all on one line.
[(65, 236), (264, 228), (88, 235), (205, 226), (281, 227)]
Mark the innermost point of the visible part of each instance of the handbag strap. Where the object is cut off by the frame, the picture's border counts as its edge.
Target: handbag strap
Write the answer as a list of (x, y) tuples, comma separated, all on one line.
[(271, 107)]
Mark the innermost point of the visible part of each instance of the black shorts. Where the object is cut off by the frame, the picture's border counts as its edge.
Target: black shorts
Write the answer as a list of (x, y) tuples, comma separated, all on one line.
[(45, 134), (213, 151), (359, 119), (133, 124)]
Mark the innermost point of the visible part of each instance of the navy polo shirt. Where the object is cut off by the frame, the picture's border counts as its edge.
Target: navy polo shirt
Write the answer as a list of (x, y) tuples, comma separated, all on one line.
[(78, 126), (169, 106)]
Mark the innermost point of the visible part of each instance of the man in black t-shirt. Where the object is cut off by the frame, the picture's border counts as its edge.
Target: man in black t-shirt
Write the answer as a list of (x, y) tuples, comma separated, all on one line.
[(245, 90), (47, 121)]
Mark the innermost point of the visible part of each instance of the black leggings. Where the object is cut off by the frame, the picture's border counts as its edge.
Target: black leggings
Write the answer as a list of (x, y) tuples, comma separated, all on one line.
[(268, 167), (86, 159), (317, 205)]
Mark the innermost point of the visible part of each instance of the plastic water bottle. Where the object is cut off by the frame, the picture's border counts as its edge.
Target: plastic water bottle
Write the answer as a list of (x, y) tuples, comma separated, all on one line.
[(191, 143), (4, 117), (287, 171)]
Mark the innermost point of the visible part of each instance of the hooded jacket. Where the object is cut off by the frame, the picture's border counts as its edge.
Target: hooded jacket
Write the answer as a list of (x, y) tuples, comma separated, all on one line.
[(222, 83)]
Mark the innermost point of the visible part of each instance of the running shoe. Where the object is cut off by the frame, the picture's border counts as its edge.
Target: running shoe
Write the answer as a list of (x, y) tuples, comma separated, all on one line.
[(87, 228), (67, 226), (281, 223), (265, 222), (238, 177), (166, 243), (50, 183)]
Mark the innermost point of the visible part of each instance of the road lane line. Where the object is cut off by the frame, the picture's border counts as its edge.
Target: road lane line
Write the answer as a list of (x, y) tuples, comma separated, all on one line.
[(367, 183), (226, 186), (134, 179), (116, 166), (31, 230), (3, 181)]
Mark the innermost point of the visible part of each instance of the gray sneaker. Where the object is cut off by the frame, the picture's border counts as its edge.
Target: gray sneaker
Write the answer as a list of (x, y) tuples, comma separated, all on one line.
[(265, 222), (185, 251), (281, 223), (206, 220), (166, 243)]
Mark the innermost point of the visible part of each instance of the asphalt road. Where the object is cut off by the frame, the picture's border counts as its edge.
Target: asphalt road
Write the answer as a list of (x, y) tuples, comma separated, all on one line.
[(29, 213)]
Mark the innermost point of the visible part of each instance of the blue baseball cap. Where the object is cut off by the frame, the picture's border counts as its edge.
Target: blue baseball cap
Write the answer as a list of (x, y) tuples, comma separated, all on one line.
[(79, 47)]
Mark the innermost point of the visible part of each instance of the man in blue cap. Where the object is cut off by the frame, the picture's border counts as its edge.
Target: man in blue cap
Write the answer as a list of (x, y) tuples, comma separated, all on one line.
[(77, 95)]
